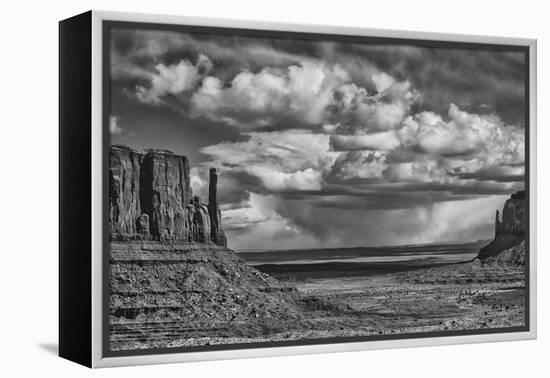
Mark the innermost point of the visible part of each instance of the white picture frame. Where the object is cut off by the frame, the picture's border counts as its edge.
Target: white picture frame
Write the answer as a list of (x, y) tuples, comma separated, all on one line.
[(97, 357)]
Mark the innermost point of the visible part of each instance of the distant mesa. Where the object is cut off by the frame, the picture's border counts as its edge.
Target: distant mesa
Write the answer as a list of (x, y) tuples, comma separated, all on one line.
[(509, 230), (150, 198)]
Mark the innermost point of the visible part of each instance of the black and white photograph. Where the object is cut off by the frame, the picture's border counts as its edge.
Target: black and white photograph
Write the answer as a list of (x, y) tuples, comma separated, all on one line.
[(244, 189), (271, 189)]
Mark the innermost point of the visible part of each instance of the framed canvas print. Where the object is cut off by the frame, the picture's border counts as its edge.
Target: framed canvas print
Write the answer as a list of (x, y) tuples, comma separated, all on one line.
[(236, 189)]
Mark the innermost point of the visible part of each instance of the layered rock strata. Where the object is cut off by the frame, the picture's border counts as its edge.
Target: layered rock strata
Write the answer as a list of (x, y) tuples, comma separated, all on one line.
[(150, 198), (164, 293)]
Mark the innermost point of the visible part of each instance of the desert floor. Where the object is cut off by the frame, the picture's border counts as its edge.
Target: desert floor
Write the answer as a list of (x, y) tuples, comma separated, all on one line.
[(454, 297)]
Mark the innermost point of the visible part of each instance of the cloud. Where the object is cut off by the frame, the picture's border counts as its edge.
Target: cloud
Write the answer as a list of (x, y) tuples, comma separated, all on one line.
[(114, 124), (280, 160), (310, 93), (466, 77), (493, 173), (326, 143), (464, 134), (361, 112), (472, 219), (462, 76), (132, 49), (256, 223), (253, 211), (378, 116), (474, 155), (273, 179), (359, 164), (421, 170), (382, 81), (300, 92), (173, 79), (379, 141), (199, 183), (426, 148)]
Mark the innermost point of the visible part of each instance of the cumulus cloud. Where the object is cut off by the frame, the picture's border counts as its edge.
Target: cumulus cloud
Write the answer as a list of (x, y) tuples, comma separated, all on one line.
[(309, 93), (114, 124), (465, 134), (173, 79), (301, 92), (251, 212), (359, 164), (382, 81), (199, 183), (427, 148), (372, 112), (474, 153), (381, 116), (281, 160)]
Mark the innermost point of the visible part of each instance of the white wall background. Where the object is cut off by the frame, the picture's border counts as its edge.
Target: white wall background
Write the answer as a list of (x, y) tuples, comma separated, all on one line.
[(28, 186)]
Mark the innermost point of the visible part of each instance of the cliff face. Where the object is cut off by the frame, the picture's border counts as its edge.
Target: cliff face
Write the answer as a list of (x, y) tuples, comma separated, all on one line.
[(150, 198), (510, 230), (124, 194)]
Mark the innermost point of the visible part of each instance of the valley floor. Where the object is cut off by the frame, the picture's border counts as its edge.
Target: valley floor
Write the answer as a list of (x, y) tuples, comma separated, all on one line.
[(453, 297)]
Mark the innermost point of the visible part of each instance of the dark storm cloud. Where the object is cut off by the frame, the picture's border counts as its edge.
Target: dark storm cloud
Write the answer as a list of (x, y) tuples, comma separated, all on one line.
[(134, 52), (498, 174), (235, 186), (433, 222), (476, 80), (364, 194), (321, 142)]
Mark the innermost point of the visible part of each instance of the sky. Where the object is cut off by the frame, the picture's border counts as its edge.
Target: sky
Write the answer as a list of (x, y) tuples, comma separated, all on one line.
[(324, 143)]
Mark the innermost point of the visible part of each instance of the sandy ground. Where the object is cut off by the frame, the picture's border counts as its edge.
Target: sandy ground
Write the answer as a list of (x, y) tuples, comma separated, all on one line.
[(454, 297)]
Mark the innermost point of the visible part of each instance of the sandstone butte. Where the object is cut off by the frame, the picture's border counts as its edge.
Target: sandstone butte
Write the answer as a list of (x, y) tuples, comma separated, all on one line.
[(150, 198), (509, 240)]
